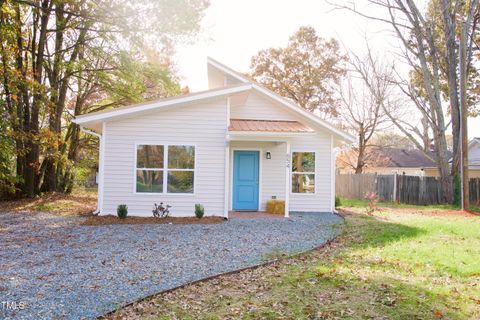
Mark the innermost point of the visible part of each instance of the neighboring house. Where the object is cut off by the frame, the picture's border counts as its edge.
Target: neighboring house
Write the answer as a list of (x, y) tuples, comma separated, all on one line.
[(232, 147), (381, 160), (474, 158)]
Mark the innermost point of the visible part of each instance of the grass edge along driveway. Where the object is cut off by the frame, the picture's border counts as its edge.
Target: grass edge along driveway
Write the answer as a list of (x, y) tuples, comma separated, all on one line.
[(393, 265)]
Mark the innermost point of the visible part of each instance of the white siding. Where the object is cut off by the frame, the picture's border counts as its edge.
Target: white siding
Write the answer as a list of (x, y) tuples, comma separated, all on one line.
[(273, 172), (202, 125), (260, 108), (321, 200), (272, 180), (474, 156)]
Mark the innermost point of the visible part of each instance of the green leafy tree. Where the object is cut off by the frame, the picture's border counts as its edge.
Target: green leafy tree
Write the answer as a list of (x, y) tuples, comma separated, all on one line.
[(62, 58), (306, 71)]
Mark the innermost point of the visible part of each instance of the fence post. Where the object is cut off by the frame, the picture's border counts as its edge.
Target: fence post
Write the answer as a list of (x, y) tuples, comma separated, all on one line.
[(478, 191), (395, 179)]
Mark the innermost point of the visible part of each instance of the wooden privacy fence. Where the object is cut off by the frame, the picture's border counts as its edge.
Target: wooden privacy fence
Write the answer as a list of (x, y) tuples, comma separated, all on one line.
[(401, 188), (475, 191), (355, 186)]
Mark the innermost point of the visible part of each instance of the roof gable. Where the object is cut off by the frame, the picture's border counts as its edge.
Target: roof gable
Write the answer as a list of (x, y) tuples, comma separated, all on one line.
[(277, 98), (159, 104), (475, 142), (242, 83)]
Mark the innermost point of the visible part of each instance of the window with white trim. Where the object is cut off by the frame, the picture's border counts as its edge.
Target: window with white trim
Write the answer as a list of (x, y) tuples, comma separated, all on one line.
[(157, 164), (150, 168), (303, 172), (181, 169)]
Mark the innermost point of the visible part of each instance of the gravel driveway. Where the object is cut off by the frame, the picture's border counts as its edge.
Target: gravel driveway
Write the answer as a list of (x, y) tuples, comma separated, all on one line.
[(55, 268)]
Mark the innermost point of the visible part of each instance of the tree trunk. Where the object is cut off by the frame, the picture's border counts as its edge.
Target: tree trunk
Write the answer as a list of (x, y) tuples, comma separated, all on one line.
[(361, 150), (54, 168), (452, 80), (33, 152)]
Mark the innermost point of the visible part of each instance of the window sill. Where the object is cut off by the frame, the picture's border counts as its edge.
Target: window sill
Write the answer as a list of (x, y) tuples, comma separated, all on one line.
[(163, 194), (303, 194)]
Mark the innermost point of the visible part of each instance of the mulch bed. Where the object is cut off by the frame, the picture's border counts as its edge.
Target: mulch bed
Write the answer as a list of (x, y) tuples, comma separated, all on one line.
[(111, 219)]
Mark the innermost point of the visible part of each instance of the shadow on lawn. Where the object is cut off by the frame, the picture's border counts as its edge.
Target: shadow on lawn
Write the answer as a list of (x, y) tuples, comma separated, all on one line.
[(373, 231), (353, 282)]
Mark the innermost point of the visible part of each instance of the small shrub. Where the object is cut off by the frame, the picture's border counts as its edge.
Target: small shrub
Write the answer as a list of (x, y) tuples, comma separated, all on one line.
[(159, 211), (199, 211), (338, 202), (122, 211), (457, 191), (372, 203)]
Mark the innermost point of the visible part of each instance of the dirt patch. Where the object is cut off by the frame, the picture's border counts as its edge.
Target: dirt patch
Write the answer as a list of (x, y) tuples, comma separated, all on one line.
[(432, 212), (111, 219)]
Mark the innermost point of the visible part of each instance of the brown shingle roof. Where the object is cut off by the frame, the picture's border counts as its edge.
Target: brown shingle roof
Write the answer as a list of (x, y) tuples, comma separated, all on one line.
[(267, 126)]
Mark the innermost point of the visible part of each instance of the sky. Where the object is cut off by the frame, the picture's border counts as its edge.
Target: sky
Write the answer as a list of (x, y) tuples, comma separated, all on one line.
[(235, 30)]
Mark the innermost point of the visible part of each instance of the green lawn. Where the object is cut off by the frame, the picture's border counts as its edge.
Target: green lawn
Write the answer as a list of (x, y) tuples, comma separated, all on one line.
[(363, 203), (392, 265)]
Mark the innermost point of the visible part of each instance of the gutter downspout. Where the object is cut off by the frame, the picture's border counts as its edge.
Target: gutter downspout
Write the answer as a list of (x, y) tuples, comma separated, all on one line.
[(100, 139), (335, 151)]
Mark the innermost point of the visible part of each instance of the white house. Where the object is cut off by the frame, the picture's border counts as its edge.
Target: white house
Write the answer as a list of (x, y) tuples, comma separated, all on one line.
[(474, 158), (232, 147)]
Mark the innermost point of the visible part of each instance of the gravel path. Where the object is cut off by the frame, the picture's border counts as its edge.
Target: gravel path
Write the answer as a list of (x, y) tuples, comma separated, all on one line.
[(63, 270)]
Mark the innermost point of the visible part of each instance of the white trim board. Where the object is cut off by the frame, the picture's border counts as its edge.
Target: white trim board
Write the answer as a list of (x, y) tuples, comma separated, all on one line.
[(165, 169), (101, 170), (315, 173)]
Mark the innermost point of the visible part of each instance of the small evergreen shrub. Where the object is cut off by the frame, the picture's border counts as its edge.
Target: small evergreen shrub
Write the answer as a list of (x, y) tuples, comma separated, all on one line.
[(199, 211), (457, 185), (338, 202), (122, 211)]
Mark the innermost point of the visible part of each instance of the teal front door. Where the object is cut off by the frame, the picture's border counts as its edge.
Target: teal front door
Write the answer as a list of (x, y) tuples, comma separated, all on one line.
[(245, 180)]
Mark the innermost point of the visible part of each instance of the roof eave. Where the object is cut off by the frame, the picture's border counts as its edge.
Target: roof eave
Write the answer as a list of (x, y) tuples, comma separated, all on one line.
[(104, 116)]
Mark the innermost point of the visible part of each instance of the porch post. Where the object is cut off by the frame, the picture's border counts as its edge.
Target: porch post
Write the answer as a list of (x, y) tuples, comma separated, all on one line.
[(287, 179), (227, 178)]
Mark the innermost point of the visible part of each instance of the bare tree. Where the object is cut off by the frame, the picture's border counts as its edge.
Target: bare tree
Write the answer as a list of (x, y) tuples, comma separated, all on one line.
[(361, 106), (418, 34)]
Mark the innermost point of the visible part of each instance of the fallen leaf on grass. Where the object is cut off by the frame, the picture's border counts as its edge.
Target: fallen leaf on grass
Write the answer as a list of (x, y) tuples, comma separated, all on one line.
[(438, 314)]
